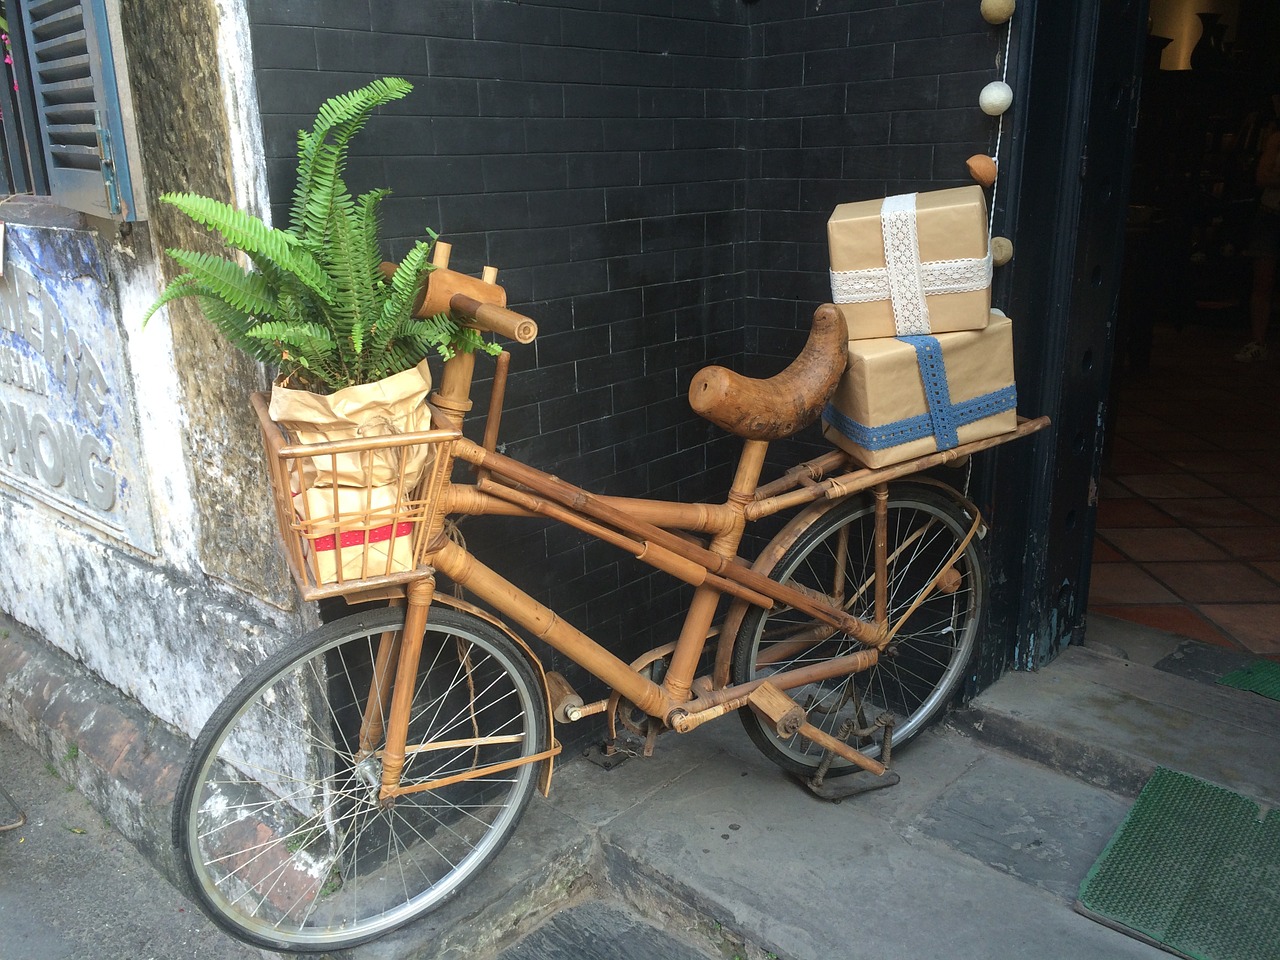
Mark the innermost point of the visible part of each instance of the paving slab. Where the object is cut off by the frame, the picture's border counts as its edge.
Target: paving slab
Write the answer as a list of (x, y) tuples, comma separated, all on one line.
[(1112, 721), (736, 841), (1026, 821), (72, 886), (710, 845), (597, 928)]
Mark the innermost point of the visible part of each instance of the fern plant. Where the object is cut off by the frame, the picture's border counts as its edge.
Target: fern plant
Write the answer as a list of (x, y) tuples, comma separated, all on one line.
[(316, 303)]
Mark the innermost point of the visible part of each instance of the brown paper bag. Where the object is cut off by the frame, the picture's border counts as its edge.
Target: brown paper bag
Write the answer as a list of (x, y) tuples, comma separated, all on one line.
[(363, 531), (394, 405)]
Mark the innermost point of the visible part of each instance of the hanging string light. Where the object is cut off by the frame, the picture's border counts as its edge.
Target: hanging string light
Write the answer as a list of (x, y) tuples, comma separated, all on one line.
[(996, 98)]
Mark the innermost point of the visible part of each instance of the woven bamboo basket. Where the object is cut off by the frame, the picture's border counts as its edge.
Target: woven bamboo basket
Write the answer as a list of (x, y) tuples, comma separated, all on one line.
[(340, 538)]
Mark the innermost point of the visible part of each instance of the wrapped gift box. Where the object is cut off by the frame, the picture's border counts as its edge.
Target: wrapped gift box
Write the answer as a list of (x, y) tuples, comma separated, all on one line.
[(912, 264), (907, 397), (363, 527)]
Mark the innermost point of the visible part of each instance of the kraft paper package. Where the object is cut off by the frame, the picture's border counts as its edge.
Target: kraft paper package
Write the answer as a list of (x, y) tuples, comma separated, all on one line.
[(908, 397), (912, 264)]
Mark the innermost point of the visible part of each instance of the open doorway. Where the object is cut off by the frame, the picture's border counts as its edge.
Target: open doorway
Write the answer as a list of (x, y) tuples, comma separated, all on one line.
[(1188, 528)]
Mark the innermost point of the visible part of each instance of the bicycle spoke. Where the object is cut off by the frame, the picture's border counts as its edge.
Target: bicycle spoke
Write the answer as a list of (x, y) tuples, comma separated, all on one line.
[(279, 814), (923, 662)]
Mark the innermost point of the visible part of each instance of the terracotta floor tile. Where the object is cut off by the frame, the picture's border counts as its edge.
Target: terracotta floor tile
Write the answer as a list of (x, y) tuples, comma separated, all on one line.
[(1268, 461), (1246, 543), (1215, 582), (1218, 461), (1268, 505), (1270, 567), (1247, 484), (1213, 512), (1110, 489), (1131, 513), (1162, 543), (1158, 486), (1130, 423), (1165, 441), (1139, 461), (1119, 443), (1170, 617), (1103, 552), (1126, 583), (1255, 625), (1246, 440)]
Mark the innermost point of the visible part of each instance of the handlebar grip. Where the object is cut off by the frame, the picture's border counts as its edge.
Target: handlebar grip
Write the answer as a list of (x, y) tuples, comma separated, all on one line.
[(495, 319)]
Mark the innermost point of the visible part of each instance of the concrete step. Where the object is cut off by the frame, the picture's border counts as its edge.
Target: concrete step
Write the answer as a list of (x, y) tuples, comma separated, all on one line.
[(1110, 718)]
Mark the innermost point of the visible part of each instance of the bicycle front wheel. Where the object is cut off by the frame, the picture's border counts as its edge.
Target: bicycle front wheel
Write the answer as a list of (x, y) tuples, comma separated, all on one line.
[(918, 673), (277, 819)]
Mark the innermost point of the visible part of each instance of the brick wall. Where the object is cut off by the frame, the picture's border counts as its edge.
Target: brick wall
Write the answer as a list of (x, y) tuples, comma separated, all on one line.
[(653, 178), (849, 100)]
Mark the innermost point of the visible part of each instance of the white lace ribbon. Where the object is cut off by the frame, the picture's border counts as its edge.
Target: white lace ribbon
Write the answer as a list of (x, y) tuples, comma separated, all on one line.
[(905, 281)]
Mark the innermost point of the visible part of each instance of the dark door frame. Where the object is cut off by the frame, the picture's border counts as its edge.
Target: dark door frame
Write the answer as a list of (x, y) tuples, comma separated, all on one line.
[(1063, 195)]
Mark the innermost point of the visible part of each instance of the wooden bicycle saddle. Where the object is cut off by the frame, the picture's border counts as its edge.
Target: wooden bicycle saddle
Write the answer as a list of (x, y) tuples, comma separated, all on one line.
[(784, 404)]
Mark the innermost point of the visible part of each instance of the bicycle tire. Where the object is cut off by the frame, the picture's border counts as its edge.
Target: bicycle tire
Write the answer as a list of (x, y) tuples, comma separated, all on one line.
[(282, 838), (920, 670)]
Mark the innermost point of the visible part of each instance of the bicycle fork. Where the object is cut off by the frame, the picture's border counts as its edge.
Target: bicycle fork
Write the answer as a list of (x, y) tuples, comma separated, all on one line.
[(409, 650)]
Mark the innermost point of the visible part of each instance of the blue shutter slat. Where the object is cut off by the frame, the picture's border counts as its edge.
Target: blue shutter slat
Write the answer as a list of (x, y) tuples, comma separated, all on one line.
[(74, 79)]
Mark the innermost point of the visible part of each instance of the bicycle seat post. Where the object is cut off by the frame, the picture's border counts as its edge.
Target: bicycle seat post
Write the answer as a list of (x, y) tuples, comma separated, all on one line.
[(702, 609), (420, 593)]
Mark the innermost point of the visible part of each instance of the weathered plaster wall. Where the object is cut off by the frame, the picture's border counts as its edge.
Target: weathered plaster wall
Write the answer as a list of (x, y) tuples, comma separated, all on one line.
[(176, 49), (174, 588)]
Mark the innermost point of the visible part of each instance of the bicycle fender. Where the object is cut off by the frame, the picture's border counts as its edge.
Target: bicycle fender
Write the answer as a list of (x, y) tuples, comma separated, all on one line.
[(544, 780)]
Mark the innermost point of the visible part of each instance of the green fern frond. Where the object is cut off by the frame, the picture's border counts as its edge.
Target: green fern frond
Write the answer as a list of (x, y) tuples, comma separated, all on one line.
[(320, 162), (247, 233), (315, 302), (313, 336), (245, 290), (179, 287), (235, 326)]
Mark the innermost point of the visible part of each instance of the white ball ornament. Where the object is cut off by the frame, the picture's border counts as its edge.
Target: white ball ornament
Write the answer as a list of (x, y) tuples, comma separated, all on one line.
[(997, 11), (996, 97)]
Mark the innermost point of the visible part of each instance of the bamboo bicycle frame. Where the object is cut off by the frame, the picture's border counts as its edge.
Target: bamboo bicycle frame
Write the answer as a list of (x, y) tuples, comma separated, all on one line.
[(656, 532), (645, 529)]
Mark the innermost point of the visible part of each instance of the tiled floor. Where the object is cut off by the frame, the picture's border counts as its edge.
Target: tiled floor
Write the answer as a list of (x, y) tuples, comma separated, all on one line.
[(1188, 534)]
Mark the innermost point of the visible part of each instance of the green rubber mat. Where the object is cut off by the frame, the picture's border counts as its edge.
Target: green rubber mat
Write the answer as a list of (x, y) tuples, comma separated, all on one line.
[(1261, 676), (1193, 870)]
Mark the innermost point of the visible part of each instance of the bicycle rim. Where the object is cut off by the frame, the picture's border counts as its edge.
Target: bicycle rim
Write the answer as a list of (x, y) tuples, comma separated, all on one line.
[(277, 819), (924, 664)]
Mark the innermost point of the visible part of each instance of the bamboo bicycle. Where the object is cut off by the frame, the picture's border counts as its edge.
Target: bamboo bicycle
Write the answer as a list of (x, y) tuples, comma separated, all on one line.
[(363, 774)]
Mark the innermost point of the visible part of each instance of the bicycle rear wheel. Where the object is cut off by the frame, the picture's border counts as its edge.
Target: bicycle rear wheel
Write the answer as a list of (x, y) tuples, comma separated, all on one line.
[(277, 820), (919, 671)]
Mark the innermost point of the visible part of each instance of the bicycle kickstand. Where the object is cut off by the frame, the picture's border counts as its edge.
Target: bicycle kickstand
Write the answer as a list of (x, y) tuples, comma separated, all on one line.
[(852, 785)]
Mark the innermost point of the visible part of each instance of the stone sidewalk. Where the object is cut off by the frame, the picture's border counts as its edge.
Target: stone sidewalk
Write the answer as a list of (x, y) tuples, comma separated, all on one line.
[(706, 850)]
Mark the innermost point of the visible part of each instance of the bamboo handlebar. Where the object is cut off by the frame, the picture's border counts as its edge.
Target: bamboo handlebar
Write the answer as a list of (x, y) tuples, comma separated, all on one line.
[(494, 318)]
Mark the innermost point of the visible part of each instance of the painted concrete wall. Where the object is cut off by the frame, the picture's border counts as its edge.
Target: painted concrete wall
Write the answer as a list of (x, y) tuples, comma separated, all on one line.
[(134, 528)]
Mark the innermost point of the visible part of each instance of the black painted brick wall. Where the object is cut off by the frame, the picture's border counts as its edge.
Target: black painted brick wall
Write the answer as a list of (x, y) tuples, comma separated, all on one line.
[(652, 178), (850, 100)]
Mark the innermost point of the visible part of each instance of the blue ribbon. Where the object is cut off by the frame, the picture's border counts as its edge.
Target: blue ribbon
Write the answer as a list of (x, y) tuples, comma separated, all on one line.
[(943, 417)]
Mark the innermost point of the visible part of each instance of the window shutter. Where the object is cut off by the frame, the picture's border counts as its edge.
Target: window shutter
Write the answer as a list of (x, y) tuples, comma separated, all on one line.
[(77, 94)]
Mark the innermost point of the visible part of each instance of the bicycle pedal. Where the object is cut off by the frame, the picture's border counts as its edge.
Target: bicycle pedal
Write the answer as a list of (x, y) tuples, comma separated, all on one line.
[(840, 788)]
